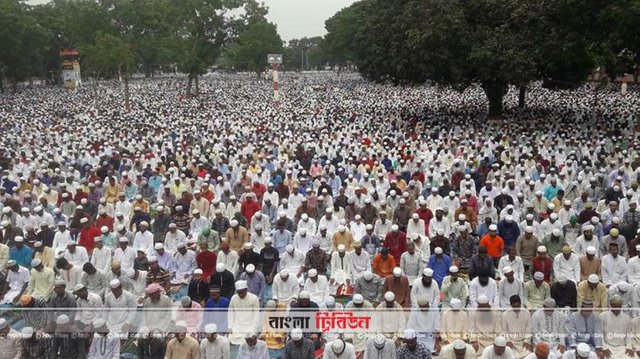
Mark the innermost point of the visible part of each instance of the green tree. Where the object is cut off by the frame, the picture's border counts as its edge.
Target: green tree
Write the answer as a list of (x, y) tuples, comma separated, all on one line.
[(304, 53), (254, 42), (111, 54), (496, 43), (23, 43), (340, 42)]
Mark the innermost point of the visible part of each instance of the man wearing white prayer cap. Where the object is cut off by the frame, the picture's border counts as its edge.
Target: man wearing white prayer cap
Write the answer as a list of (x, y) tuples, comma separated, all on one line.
[(454, 323), (457, 350), (10, 346), (243, 313), (412, 348), (339, 349), (214, 345), (498, 350), (103, 345), (390, 323), (616, 326), (119, 306), (299, 346), (379, 346), (485, 323), (582, 351)]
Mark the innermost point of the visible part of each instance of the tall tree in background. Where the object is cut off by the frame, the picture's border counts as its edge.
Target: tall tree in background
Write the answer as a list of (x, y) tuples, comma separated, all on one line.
[(22, 43), (111, 54), (254, 42), (340, 42), (495, 43), (304, 54)]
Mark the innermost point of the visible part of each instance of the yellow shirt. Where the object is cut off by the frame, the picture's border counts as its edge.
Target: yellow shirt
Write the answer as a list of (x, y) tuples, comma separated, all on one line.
[(47, 257)]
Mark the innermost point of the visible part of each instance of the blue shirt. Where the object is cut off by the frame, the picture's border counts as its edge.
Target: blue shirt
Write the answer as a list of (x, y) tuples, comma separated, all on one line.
[(22, 256), (280, 240), (216, 312), (440, 267)]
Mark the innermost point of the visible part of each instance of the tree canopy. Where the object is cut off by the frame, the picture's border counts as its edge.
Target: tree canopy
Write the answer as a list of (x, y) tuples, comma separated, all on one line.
[(495, 43)]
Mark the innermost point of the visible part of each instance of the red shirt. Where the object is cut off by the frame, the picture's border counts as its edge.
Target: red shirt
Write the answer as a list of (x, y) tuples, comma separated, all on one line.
[(494, 245), (107, 220), (207, 262), (543, 265), (86, 238), (248, 209), (396, 243), (426, 215)]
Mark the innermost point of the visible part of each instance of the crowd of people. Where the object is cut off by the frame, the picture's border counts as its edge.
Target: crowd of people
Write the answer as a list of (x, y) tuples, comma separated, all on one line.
[(181, 227)]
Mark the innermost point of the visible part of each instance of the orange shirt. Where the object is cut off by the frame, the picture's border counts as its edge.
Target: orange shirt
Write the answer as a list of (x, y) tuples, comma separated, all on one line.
[(383, 267), (494, 245)]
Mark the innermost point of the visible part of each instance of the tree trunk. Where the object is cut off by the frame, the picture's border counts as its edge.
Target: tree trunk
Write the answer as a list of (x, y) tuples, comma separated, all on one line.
[(197, 83), (189, 86), (495, 92), (521, 99), (126, 93)]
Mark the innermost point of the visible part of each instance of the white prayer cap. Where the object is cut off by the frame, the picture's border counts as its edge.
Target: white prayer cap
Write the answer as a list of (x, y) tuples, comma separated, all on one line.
[(150, 259), (493, 227), (296, 334), (593, 279), (35, 262), (62, 319), (422, 299), (438, 250), (267, 240), (289, 248), (250, 268), (482, 299), (248, 245), (211, 328), (114, 283), (337, 346), (84, 220), (453, 269), (394, 227), (591, 250), (241, 284), (341, 248), (427, 272), (158, 246), (342, 228), (27, 332), (358, 298), (561, 278), (458, 344), (304, 295), (220, 267), (583, 350), (538, 276), (462, 217), (379, 339), (234, 223), (638, 247), (500, 341), (455, 303), (389, 296), (528, 229), (368, 227), (557, 232), (99, 323), (542, 249), (284, 273), (198, 271), (18, 239), (367, 275), (409, 334), (312, 272), (507, 269)]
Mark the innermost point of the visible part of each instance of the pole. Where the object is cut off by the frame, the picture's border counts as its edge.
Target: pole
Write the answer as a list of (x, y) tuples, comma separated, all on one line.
[(276, 90)]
